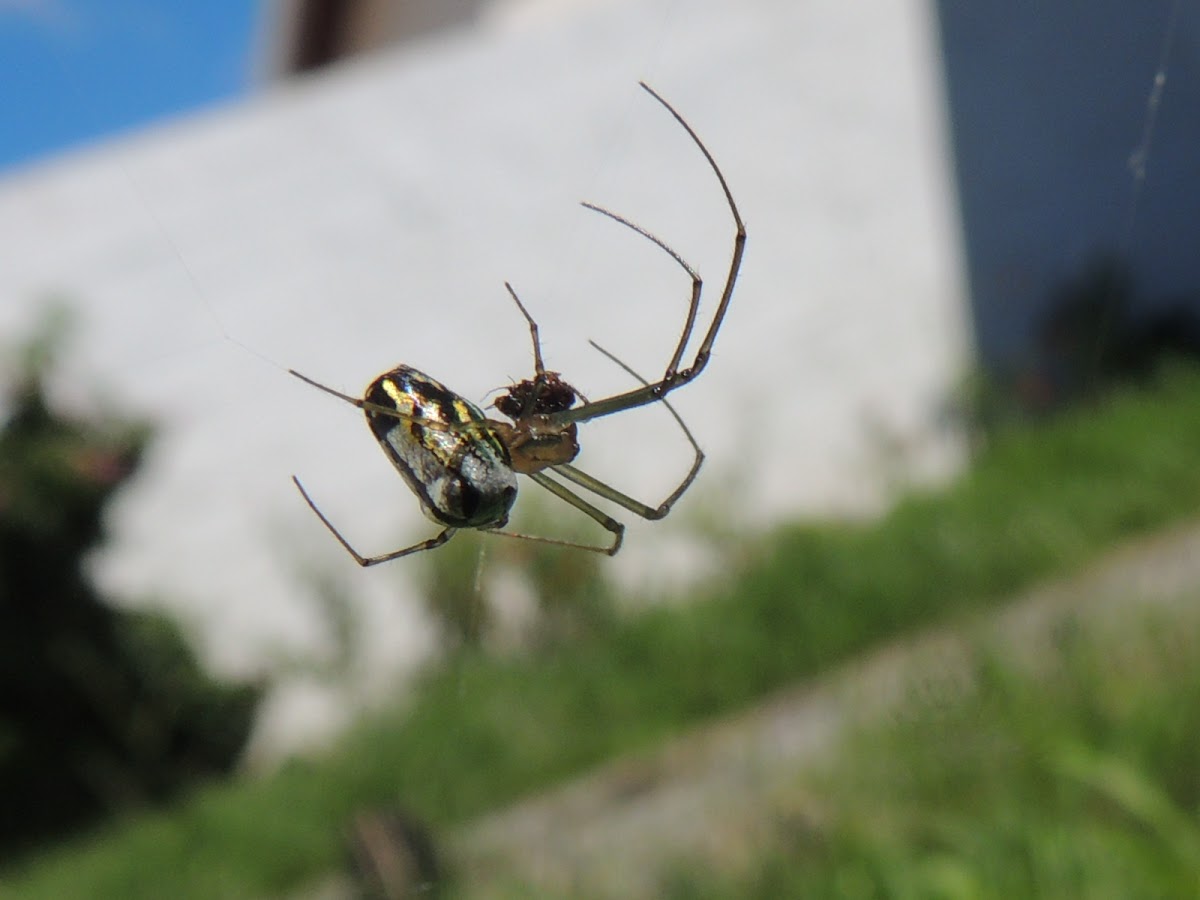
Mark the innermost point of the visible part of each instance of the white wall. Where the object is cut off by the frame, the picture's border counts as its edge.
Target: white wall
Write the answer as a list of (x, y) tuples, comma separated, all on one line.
[(369, 216)]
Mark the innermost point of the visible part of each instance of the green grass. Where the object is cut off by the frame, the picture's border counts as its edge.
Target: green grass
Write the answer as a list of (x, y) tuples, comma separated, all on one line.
[(485, 731), (1083, 783)]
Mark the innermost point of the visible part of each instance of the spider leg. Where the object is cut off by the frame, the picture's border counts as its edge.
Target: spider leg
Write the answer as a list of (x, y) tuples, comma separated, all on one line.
[(367, 406), (538, 367), (353, 401), (697, 284), (600, 488), (674, 377), (365, 561), (615, 528), (739, 240)]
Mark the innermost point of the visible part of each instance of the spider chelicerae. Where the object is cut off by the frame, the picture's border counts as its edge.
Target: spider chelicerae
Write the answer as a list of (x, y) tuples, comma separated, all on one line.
[(463, 466)]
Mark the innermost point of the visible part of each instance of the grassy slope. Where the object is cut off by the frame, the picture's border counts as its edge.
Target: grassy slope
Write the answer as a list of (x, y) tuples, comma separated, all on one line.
[(1078, 782), (1035, 504)]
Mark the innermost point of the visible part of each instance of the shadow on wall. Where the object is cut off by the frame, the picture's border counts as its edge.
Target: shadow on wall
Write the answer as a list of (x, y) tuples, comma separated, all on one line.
[(1079, 268), (1092, 335)]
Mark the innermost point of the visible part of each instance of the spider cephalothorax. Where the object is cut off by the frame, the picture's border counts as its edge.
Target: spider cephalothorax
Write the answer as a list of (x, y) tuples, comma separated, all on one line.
[(462, 465), (536, 442)]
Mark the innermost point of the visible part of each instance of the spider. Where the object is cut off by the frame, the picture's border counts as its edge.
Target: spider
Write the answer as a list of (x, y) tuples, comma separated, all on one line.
[(463, 465)]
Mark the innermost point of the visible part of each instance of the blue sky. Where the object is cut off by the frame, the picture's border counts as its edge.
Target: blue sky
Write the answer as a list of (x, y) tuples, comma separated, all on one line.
[(74, 71)]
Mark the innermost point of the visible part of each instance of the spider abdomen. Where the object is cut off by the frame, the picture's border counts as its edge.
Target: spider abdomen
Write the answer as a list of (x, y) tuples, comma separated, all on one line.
[(444, 447)]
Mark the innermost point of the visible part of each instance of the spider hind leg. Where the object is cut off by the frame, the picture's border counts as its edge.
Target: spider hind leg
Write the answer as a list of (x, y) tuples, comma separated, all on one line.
[(365, 561)]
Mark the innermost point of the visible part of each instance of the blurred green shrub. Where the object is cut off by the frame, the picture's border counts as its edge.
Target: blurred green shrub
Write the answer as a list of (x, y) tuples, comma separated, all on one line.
[(101, 710)]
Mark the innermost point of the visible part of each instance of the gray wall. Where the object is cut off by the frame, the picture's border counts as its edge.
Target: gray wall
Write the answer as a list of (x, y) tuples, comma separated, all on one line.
[(1047, 102)]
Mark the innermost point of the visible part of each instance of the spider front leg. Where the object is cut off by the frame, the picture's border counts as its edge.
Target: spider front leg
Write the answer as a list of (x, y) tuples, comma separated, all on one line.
[(697, 287), (674, 377)]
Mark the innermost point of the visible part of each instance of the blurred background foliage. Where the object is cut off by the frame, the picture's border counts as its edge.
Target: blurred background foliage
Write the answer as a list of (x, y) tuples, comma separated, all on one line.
[(103, 711)]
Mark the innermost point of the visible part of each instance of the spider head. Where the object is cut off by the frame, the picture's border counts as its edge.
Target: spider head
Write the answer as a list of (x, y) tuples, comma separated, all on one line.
[(540, 396)]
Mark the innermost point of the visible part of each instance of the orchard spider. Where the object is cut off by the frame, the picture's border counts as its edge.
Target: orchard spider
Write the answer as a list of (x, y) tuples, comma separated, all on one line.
[(463, 466)]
